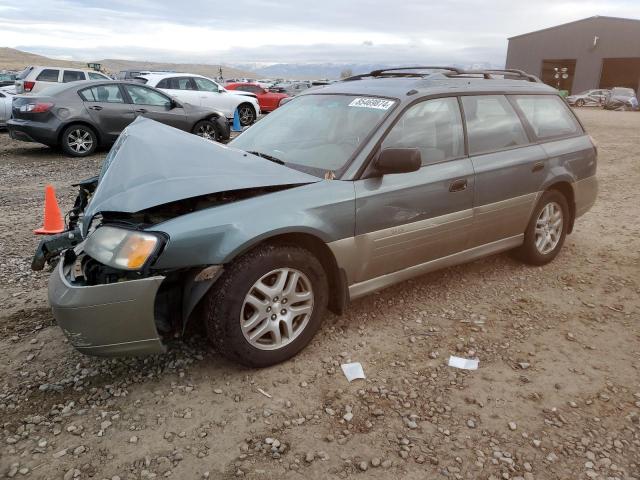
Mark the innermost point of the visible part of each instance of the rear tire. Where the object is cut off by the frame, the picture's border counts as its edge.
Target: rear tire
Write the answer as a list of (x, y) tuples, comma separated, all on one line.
[(247, 114), (79, 141), (267, 305), (546, 231), (207, 130)]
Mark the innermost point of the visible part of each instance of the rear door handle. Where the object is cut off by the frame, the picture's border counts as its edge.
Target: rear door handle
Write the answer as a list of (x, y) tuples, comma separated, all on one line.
[(141, 110), (537, 167), (458, 185), (95, 107)]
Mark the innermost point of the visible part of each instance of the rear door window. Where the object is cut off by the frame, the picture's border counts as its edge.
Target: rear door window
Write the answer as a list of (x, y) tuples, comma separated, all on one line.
[(103, 94), (548, 116), (434, 127), (48, 75), (206, 85), (72, 76), (492, 124)]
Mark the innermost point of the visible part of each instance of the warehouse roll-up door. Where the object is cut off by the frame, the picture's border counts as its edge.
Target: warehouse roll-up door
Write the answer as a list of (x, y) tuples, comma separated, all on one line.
[(620, 72)]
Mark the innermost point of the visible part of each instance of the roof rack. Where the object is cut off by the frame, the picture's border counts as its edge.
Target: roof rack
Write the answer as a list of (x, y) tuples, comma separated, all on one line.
[(446, 71), (402, 72)]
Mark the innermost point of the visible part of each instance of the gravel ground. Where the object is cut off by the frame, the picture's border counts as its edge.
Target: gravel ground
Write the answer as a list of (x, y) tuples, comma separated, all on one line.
[(556, 396)]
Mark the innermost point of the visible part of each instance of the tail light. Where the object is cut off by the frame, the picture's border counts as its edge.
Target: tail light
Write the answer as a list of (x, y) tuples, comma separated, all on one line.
[(28, 86), (39, 107)]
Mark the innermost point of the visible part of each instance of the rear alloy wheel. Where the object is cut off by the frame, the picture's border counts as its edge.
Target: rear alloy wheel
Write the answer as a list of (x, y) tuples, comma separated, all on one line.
[(207, 130), (547, 229), (267, 305), (247, 114), (79, 141)]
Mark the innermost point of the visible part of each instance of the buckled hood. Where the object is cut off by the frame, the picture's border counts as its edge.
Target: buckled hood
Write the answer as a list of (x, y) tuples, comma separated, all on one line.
[(153, 164)]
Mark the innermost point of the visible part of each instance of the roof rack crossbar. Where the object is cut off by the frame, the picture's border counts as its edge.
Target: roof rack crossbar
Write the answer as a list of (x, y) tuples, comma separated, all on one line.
[(447, 71), (385, 71)]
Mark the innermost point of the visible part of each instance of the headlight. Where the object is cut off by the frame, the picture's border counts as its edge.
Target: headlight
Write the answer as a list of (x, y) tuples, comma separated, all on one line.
[(121, 248)]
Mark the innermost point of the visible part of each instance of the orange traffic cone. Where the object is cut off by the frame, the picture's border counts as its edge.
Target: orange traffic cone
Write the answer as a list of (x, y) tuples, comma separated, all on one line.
[(53, 221)]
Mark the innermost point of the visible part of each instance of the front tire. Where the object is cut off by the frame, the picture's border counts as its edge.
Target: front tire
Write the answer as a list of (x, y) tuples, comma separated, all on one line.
[(547, 229), (79, 141), (267, 305), (207, 130), (247, 114), (580, 103)]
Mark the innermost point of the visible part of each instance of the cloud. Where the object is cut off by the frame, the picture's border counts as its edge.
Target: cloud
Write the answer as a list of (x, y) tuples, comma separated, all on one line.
[(456, 31)]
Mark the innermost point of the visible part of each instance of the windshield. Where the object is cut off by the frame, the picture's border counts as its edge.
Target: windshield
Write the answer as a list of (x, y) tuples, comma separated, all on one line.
[(317, 134)]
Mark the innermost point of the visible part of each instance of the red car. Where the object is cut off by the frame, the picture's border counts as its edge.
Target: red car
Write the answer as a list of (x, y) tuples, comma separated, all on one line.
[(268, 101)]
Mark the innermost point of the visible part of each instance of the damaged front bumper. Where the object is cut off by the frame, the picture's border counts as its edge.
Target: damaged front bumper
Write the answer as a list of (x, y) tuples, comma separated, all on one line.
[(112, 319)]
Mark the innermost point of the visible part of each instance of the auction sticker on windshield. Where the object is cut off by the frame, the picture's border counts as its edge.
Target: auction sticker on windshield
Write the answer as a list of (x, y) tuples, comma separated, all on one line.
[(369, 102)]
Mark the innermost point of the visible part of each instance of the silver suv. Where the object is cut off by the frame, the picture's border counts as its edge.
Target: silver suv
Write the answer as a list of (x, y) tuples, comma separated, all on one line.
[(341, 192)]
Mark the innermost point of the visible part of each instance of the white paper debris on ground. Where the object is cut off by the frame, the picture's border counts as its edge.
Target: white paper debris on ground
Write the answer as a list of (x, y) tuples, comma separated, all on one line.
[(353, 371), (464, 363), (264, 393)]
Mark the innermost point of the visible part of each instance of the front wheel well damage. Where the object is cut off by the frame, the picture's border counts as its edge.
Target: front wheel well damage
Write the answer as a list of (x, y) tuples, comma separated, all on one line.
[(338, 288)]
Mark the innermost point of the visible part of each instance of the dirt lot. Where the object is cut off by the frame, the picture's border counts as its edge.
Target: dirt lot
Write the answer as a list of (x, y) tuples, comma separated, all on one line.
[(556, 396)]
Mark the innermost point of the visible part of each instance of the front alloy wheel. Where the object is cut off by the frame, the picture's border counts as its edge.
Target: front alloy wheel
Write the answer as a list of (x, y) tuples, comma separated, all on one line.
[(247, 114), (277, 309), (267, 305), (206, 130)]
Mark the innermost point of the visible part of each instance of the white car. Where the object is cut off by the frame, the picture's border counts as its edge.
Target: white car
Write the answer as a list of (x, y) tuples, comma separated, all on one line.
[(202, 91), (35, 78), (6, 98)]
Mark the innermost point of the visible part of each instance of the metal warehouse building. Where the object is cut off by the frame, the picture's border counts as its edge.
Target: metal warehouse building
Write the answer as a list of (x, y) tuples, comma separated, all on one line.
[(596, 52)]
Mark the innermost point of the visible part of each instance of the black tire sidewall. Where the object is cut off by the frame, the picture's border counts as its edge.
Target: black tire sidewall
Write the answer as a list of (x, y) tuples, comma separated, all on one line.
[(208, 122), (67, 149), (580, 103), (529, 252), (253, 113), (224, 303)]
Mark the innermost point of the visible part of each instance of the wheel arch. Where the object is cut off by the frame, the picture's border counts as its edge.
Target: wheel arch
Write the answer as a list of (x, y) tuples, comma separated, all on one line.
[(566, 189)]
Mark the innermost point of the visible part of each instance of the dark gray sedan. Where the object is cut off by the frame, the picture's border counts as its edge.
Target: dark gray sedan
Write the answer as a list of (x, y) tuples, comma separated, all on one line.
[(81, 116)]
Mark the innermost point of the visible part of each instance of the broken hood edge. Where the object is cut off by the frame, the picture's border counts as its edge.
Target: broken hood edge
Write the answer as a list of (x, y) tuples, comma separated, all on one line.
[(153, 164)]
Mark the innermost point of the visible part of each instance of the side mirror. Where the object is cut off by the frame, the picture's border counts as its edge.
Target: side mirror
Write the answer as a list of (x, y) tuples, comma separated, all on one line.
[(174, 104), (398, 160)]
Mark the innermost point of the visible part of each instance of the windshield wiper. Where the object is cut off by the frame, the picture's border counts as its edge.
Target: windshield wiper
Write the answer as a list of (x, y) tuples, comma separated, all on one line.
[(266, 156)]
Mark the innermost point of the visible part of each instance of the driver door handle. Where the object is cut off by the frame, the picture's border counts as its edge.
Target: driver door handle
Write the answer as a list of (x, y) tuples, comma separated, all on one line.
[(141, 110), (95, 107), (458, 185)]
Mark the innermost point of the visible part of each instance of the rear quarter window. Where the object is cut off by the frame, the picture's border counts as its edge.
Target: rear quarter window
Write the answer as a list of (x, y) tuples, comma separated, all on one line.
[(72, 76), (48, 75), (548, 116)]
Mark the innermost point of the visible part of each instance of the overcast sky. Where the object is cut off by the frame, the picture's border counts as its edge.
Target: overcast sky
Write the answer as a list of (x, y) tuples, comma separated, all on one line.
[(243, 31)]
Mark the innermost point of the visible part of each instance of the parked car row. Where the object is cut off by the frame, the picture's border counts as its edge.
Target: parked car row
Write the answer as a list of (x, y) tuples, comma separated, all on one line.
[(205, 92), (83, 115), (618, 98)]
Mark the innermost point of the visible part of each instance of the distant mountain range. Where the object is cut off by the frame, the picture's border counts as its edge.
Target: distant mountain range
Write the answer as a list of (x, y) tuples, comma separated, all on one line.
[(12, 59), (328, 70)]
